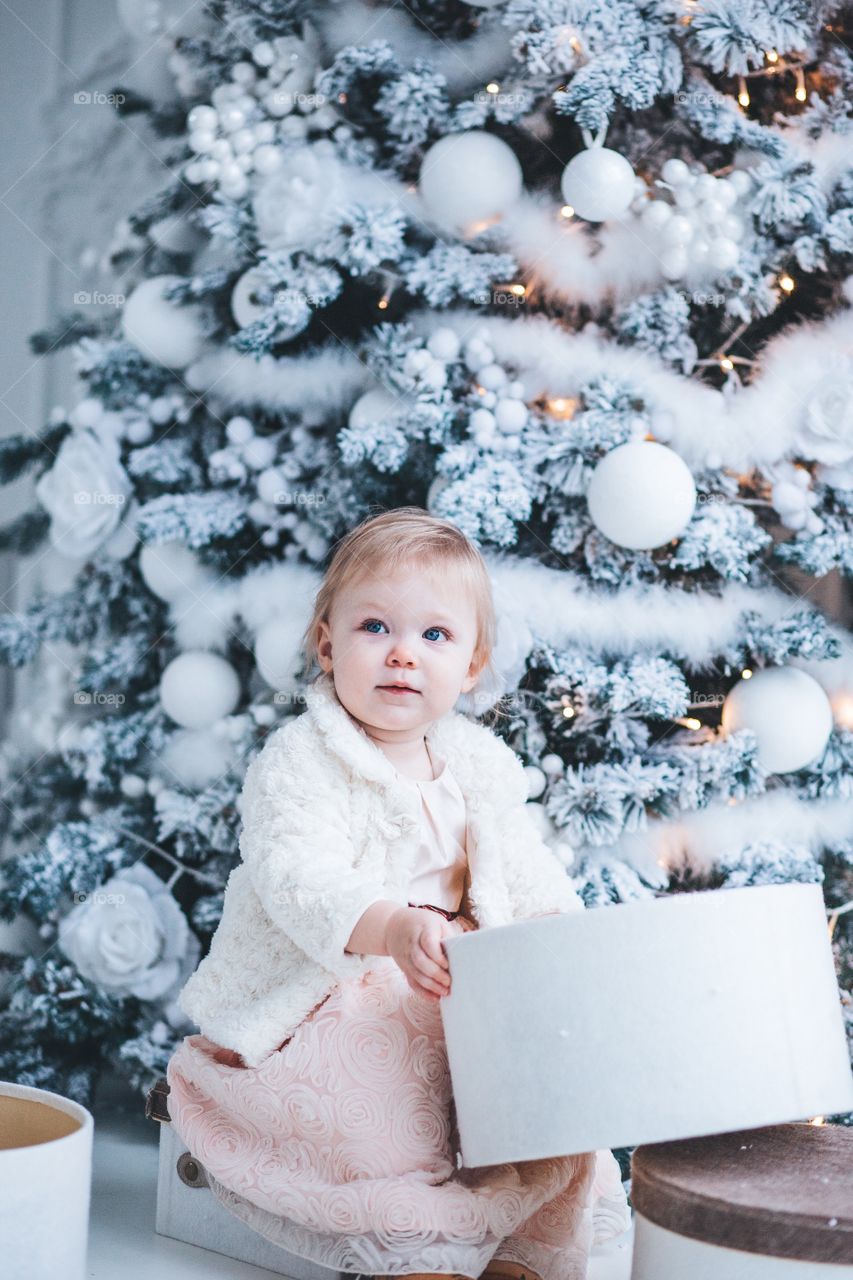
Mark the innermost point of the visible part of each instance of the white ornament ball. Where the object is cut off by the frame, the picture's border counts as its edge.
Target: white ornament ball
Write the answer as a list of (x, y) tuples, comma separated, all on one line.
[(723, 253), (268, 158), (373, 406), (169, 569), (244, 308), (168, 334), (656, 215), (444, 345), (239, 429), (278, 650), (197, 688), (470, 177), (510, 415), (492, 377), (675, 172), (677, 231), (641, 495), (535, 781), (674, 262), (789, 713), (598, 184), (552, 764), (260, 452)]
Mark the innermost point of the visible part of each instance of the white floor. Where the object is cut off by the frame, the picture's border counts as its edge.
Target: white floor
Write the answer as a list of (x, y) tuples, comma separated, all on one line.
[(122, 1239)]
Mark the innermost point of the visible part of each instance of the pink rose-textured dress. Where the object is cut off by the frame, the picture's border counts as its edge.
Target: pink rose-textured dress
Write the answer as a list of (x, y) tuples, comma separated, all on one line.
[(342, 1145)]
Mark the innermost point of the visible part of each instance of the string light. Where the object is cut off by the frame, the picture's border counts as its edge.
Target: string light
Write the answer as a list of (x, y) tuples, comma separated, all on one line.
[(743, 93), (771, 55), (689, 722), (342, 97), (786, 282), (562, 407), (491, 87), (383, 302), (727, 364), (518, 289), (818, 1120), (746, 674), (567, 211), (800, 91)]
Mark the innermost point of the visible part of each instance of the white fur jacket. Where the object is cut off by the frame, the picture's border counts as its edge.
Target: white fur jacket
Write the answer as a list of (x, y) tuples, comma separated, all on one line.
[(329, 828)]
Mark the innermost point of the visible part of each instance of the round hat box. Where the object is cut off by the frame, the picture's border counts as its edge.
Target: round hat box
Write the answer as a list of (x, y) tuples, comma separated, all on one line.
[(45, 1177), (672, 1017), (764, 1204)]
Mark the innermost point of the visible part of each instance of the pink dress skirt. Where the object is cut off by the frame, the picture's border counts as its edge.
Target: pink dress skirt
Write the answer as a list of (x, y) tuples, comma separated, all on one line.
[(342, 1148)]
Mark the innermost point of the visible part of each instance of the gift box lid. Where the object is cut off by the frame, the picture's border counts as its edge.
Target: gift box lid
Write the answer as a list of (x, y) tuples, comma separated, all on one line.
[(785, 1191)]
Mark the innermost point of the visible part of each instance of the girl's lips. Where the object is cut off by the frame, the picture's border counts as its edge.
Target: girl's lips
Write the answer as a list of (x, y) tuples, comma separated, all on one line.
[(391, 688)]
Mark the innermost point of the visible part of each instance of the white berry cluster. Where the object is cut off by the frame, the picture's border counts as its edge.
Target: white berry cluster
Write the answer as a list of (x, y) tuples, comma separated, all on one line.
[(244, 452), (267, 102), (694, 224), (135, 423), (498, 411)]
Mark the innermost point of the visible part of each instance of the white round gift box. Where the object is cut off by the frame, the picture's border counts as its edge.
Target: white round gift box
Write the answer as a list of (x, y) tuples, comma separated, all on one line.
[(762, 1204), (673, 1017), (45, 1176)]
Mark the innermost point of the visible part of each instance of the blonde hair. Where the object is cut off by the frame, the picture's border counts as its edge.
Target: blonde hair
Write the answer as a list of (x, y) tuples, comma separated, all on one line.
[(405, 535)]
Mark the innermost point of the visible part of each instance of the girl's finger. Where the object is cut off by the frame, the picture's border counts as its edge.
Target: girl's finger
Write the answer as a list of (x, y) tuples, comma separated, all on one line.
[(431, 945), (430, 970)]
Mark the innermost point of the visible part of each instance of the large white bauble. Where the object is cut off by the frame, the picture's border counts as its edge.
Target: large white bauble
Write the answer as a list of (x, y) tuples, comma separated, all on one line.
[(598, 184), (470, 177), (789, 713), (278, 650), (195, 758), (197, 688), (171, 335), (373, 406), (641, 495), (244, 309), (169, 569)]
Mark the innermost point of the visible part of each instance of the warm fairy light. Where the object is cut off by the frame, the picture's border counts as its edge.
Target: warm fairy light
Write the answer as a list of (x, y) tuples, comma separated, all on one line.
[(771, 55), (481, 391), (342, 97), (818, 1120), (382, 303), (568, 712), (689, 722), (800, 91), (743, 93), (786, 282), (567, 211), (842, 709), (518, 289), (491, 87), (726, 364), (746, 674), (561, 407)]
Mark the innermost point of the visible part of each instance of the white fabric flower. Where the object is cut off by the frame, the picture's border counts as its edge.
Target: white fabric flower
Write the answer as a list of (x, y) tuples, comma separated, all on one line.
[(131, 937), (827, 434), (297, 206), (85, 493)]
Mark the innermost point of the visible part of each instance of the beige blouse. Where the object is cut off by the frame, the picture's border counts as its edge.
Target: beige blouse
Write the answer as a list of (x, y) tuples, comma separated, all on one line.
[(441, 865)]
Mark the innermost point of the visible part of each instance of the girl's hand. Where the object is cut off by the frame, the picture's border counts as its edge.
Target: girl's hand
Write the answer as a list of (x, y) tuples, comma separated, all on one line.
[(413, 939)]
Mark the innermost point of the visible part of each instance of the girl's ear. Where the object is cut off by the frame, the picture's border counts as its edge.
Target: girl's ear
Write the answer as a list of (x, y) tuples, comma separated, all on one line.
[(324, 645)]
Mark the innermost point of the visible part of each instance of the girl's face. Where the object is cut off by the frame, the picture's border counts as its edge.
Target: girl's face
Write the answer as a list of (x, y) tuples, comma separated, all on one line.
[(417, 628)]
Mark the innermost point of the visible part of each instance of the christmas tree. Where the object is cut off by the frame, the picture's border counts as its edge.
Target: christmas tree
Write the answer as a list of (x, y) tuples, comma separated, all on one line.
[(573, 274)]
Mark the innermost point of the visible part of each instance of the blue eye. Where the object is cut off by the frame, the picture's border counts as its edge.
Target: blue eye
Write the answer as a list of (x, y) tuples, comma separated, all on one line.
[(441, 629), (372, 622)]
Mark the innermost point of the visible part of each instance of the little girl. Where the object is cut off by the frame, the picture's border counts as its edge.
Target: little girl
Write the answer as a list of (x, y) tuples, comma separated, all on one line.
[(376, 824)]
